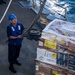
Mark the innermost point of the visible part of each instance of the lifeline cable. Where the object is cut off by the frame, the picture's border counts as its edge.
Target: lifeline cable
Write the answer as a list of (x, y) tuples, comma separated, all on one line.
[(5, 11), (36, 18)]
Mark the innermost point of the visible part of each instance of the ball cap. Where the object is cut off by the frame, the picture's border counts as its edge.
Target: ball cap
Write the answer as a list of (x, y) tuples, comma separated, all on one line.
[(11, 17)]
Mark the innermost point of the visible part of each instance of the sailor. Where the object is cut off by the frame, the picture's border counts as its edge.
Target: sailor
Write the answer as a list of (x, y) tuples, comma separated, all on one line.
[(14, 34)]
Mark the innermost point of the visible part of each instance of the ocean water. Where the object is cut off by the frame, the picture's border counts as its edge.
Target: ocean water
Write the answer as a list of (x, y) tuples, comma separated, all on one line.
[(56, 7), (70, 7)]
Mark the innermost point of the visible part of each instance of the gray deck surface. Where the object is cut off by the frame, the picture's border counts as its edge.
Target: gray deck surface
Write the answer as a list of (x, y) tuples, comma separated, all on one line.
[(28, 50)]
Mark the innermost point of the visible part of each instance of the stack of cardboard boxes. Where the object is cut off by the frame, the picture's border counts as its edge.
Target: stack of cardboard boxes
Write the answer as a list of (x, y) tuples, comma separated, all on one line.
[(56, 49)]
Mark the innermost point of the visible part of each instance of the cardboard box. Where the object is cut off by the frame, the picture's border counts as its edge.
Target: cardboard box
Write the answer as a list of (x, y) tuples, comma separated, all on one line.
[(48, 44), (71, 57), (62, 59), (42, 69), (59, 58), (46, 56), (71, 67), (63, 31), (72, 62), (46, 69), (58, 34)]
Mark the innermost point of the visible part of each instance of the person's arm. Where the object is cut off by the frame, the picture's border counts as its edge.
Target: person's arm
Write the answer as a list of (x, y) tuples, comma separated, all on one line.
[(15, 37), (9, 34)]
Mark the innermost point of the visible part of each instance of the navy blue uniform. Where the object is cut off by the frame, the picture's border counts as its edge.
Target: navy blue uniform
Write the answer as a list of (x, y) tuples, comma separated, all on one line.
[(14, 45)]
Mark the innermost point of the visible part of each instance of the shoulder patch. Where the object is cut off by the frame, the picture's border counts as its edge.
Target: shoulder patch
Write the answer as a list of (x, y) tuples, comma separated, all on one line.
[(19, 27), (13, 29)]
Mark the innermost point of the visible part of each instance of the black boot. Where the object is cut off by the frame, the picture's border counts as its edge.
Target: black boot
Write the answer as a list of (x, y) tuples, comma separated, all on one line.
[(11, 68)]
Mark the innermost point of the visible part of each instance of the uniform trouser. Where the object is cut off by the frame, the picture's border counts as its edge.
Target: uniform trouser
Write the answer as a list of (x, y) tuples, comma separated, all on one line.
[(13, 53)]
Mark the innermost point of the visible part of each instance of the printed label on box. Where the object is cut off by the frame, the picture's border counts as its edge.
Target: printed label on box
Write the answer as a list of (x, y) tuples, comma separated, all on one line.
[(50, 44), (71, 67), (40, 43), (46, 56), (71, 57)]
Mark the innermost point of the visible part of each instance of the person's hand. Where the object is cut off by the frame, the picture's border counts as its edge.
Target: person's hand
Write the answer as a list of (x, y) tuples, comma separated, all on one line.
[(19, 36)]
